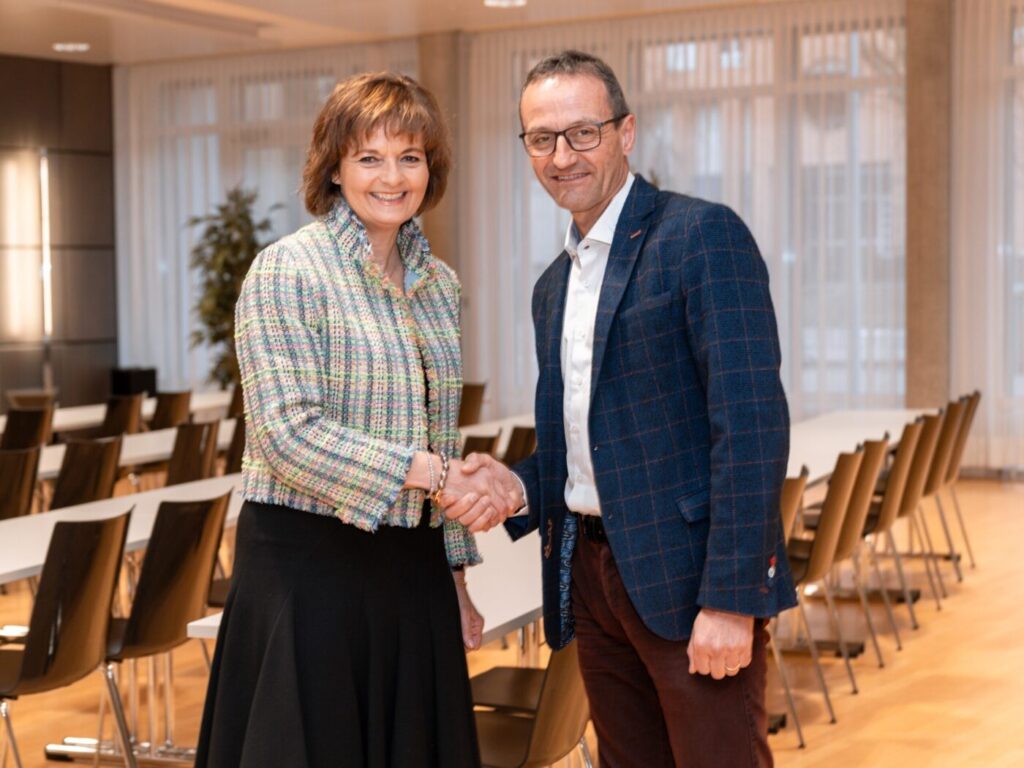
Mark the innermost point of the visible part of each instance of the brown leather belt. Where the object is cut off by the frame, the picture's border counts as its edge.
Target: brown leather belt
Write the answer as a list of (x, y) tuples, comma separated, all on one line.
[(591, 527)]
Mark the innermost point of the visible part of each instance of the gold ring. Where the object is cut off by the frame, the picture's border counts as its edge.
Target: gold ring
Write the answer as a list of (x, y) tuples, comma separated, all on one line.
[(731, 670)]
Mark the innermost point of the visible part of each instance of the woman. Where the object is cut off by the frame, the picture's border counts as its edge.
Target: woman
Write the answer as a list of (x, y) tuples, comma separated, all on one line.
[(340, 640)]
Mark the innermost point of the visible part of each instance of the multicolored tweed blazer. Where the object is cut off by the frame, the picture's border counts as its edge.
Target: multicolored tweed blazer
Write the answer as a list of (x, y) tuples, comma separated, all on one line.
[(336, 363)]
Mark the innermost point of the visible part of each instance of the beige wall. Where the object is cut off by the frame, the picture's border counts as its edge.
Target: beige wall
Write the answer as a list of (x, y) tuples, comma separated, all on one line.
[(929, 141)]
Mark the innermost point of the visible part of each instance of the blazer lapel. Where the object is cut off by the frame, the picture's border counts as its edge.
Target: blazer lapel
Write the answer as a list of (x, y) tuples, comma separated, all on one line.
[(630, 233), (556, 289)]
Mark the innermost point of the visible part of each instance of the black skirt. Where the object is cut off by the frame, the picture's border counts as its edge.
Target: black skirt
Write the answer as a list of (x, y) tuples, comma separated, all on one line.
[(337, 648)]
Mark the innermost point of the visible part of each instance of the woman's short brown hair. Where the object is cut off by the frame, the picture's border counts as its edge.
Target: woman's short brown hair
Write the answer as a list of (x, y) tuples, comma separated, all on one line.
[(357, 107)]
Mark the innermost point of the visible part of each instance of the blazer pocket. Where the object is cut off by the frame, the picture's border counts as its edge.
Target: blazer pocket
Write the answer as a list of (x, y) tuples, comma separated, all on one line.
[(694, 506)]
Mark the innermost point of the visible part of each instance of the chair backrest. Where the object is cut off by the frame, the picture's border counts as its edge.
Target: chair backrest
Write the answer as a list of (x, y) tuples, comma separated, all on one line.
[(833, 510), (123, 416), (953, 470), (175, 577), (172, 409), (194, 453), (32, 398), (471, 404), (480, 444), (521, 443), (944, 447), (88, 472), (562, 712), (790, 500), (896, 481), (67, 636), (860, 497), (236, 408), (27, 427), (914, 489), (17, 481), (236, 449)]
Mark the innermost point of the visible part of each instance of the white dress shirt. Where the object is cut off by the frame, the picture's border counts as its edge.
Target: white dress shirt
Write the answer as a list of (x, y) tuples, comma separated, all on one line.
[(589, 257)]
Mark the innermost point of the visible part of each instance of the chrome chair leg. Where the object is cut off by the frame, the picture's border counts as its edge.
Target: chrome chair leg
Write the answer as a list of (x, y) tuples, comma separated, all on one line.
[(858, 584), (926, 558), (953, 554), (168, 701), (6, 716), (814, 657), (784, 676), (151, 688), (963, 528), (588, 761), (885, 597), (121, 724), (903, 579), (843, 648), (929, 550)]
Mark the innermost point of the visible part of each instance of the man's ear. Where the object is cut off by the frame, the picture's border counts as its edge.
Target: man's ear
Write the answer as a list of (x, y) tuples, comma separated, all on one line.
[(627, 133)]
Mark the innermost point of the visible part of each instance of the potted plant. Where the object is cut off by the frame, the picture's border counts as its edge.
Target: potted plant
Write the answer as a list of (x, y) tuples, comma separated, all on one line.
[(230, 240)]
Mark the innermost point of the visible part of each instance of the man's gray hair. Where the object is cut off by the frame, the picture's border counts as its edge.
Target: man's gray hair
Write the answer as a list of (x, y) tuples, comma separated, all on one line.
[(571, 62)]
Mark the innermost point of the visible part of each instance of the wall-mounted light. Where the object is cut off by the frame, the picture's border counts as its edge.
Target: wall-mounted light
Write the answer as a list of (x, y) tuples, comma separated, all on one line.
[(71, 47), (504, 3), (44, 208)]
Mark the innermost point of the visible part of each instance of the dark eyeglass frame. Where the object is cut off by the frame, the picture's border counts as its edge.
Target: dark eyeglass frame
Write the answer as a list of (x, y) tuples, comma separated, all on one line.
[(565, 135)]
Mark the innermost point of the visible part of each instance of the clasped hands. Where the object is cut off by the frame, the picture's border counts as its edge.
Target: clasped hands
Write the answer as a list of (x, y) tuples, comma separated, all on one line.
[(480, 492)]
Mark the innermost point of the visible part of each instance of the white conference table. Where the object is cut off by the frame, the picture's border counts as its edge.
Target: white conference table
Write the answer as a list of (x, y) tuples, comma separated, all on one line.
[(88, 416), (140, 448)]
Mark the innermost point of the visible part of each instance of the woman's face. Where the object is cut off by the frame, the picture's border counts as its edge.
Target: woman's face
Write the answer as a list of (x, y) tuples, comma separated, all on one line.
[(384, 179)]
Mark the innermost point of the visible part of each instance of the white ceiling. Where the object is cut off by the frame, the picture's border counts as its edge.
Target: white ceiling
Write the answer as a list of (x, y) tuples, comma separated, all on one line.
[(133, 31)]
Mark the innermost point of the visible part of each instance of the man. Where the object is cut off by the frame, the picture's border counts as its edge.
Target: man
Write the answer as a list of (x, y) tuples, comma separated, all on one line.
[(662, 439)]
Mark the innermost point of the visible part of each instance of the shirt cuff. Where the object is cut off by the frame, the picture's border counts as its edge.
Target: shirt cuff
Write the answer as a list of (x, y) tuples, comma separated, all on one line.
[(524, 510)]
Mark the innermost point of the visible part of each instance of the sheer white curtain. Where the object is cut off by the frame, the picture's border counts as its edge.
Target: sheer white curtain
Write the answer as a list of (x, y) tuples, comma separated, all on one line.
[(187, 132), (793, 114), (988, 225)]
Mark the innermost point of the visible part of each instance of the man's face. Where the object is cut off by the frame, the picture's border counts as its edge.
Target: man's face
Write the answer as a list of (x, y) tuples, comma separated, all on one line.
[(581, 182)]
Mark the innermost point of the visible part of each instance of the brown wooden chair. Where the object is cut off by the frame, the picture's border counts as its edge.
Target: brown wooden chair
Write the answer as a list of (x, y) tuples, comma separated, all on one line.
[(32, 398), (194, 454), (544, 725), (936, 482), (27, 427), (172, 409), (88, 472), (883, 513), (236, 450), (521, 443), (810, 560), (471, 404), (123, 416), (480, 444), (236, 408), (171, 591), (953, 472), (67, 632), (18, 470)]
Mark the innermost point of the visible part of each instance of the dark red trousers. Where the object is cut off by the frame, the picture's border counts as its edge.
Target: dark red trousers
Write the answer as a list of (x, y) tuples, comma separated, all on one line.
[(647, 709)]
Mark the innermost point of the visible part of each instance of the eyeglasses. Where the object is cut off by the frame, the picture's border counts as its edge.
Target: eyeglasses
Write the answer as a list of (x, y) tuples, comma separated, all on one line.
[(580, 138)]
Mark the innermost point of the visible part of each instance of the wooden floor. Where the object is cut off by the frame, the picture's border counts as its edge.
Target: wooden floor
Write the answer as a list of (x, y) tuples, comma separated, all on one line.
[(953, 697)]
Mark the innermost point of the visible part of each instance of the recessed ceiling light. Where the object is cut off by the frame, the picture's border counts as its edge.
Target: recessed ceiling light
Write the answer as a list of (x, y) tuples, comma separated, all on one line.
[(71, 47), (504, 3)]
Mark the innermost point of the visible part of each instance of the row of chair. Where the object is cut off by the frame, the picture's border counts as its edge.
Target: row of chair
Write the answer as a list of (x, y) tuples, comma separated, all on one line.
[(71, 631), (863, 501), (521, 443)]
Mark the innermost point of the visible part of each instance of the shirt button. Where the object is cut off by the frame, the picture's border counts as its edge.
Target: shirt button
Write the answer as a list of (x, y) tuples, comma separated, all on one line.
[(771, 572)]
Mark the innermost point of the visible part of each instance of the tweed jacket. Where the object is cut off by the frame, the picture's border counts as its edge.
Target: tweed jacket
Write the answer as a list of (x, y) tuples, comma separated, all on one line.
[(345, 377), (688, 421)]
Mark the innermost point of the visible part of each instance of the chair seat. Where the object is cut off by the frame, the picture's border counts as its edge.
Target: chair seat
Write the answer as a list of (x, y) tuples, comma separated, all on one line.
[(798, 552), (10, 668), (516, 688), (504, 738)]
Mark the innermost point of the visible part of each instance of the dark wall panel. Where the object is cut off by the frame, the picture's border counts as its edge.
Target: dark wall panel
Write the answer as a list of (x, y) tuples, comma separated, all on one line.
[(81, 200), (19, 368), (19, 197), (30, 95), (82, 371), (87, 121), (21, 295), (84, 300)]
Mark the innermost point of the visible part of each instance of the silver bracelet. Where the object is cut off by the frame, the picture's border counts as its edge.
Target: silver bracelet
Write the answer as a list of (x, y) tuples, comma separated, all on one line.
[(441, 480), (430, 468)]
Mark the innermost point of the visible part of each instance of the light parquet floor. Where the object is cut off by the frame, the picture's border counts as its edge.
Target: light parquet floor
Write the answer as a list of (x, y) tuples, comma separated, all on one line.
[(953, 697)]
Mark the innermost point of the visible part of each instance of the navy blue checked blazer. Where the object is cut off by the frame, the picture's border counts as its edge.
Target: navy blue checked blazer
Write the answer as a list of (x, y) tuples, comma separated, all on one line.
[(689, 427)]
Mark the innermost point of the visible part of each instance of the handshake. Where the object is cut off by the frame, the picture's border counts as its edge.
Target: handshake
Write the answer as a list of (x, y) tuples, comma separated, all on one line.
[(480, 492)]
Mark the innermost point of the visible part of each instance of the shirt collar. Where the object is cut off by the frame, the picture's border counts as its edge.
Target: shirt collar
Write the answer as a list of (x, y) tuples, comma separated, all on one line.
[(604, 228)]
